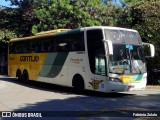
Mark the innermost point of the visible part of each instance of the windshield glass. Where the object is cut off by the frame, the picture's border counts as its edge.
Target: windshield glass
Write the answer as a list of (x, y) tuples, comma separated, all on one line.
[(127, 59), (123, 36)]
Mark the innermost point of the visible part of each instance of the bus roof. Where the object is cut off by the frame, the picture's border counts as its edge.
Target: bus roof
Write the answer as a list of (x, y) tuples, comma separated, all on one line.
[(51, 31), (55, 32), (109, 27), (41, 35)]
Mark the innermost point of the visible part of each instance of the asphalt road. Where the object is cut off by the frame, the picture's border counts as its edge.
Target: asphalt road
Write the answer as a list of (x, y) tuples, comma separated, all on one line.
[(16, 96)]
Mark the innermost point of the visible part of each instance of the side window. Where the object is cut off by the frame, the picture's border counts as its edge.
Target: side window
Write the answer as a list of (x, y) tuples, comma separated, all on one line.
[(12, 48), (18, 47), (33, 46), (76, 41), (26, 46), (44, 45), (30, 46), (50, 45), (100, 62), (61, 44), (96, 51), (36, 45)]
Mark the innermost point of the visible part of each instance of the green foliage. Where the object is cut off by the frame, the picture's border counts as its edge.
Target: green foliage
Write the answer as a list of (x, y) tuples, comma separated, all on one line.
[(20, 19), (6, 35), (64, 14), (71, 14), (33, 16)]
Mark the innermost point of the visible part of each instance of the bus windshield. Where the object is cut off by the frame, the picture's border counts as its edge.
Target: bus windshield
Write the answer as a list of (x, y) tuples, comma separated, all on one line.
[(127, 59), (123, 36), (128, 56)]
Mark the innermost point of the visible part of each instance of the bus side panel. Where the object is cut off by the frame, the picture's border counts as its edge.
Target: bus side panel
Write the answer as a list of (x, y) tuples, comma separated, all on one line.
[(54, 68), (30, 62), (93, 81), (12, 65), (76, 65)]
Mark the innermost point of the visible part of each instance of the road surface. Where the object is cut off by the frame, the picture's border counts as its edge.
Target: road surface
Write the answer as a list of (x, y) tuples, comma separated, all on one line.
[(16, 96)]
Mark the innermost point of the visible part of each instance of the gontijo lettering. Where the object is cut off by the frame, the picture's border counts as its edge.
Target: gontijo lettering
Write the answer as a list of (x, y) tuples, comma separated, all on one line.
[(29, 58)]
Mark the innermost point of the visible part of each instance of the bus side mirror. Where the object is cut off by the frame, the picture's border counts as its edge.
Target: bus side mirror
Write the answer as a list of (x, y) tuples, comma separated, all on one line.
[(108, 46), (149, 50)]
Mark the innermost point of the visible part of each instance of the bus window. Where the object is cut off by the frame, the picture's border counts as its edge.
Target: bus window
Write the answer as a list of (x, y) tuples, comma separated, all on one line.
[(12, 48), (33, 46), (76, 41), (100, 62), (18, 48), (61, 44), (50, 47), (44, 46), (26, 46), (94, 43)]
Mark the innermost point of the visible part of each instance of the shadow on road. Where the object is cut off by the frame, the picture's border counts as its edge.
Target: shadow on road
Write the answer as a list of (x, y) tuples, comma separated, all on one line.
[(117, 104), (93, 108), (62, 89)]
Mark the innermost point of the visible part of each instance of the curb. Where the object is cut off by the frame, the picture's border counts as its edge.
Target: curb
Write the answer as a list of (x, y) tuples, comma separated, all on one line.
[(153, 87)]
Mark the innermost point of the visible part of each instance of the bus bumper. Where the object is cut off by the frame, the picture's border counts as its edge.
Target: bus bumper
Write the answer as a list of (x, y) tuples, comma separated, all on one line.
[(121, 87), (137, 86), (116, 87)]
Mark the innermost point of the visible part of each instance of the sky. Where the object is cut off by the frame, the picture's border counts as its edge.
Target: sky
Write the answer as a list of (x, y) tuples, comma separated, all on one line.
[(7, 4), (4, 3)]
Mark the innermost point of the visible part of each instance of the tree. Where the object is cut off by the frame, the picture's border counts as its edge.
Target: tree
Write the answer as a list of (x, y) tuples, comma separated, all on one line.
[(6, 35), (150, 25), (20, 19), (55, 14), (32, 16)]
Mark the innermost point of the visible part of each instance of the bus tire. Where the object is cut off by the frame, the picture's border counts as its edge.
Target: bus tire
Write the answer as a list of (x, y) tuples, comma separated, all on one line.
[(78, 83), (19, 75), (25, 76)]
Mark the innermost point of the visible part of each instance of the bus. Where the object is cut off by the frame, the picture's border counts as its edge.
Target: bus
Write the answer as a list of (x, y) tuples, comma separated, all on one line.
[(97, 58)]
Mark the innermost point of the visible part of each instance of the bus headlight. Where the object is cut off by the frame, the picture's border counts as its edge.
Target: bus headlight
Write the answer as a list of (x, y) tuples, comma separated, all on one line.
[(114, 79)]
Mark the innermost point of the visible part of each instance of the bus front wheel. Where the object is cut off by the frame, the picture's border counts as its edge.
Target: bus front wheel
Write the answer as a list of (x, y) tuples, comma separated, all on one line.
[(78, 83)]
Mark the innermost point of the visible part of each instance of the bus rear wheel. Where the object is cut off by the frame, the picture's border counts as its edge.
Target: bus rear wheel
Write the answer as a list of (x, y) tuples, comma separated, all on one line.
[(25, 77), (18, 75)]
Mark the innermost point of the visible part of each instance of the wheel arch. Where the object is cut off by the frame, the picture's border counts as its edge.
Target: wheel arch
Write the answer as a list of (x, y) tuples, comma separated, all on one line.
[(18, 75), (18, 71), (80, 79)]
